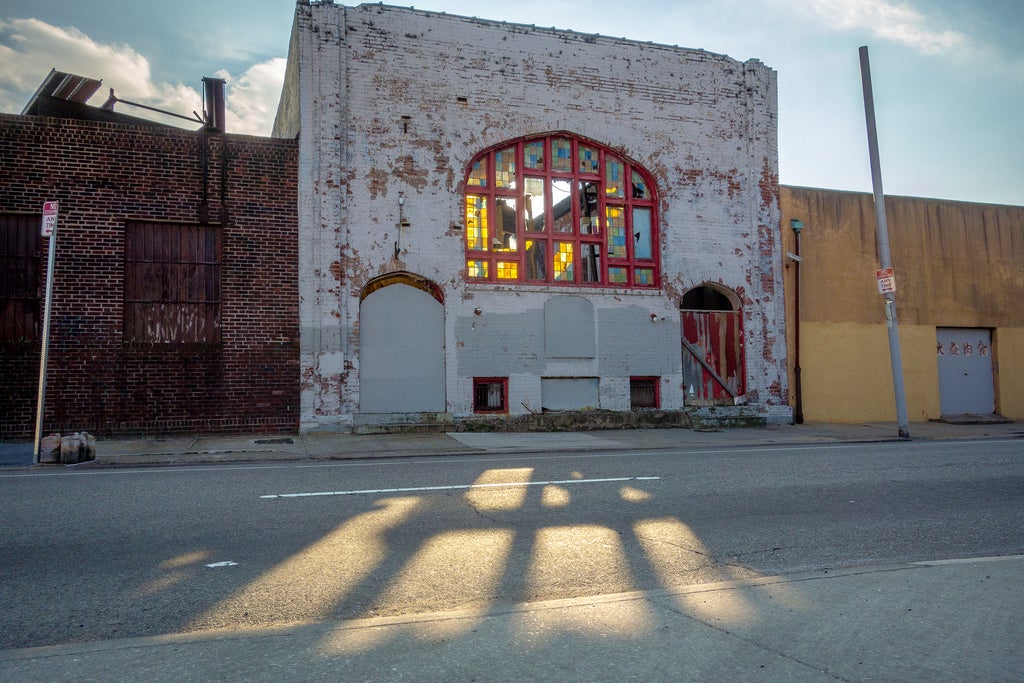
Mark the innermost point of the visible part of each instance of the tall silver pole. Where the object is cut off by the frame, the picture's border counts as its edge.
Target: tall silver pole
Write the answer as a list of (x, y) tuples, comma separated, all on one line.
[(44, 352), (882, 235)]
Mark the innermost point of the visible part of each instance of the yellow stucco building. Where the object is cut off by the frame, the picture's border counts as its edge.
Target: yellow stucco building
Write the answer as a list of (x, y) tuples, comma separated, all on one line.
[(959, 274)]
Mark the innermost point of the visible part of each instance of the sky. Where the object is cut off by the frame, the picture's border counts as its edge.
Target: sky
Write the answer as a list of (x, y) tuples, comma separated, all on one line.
[(947, 75)]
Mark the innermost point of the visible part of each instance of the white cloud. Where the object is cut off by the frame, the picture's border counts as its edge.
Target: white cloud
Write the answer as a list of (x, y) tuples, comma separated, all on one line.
[(898, 23), (29, 48), (252, 98)]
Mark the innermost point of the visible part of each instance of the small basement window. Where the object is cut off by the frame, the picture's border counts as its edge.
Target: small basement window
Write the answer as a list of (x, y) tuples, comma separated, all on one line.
[(643, 392), (490, 394)]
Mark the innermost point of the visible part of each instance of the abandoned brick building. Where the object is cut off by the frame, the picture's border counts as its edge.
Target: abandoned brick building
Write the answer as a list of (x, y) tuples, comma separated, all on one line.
[(499, 219), (175, 288)]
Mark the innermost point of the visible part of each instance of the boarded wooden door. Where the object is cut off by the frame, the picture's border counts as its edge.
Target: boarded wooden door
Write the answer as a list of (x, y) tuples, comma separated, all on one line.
[(713, 361)]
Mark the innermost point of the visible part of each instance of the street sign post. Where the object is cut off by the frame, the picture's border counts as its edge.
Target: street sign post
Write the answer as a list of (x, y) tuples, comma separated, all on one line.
[(49, 229)]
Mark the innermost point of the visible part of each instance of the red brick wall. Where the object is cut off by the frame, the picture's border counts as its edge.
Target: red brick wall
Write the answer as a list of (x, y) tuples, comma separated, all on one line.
[(105, 175)]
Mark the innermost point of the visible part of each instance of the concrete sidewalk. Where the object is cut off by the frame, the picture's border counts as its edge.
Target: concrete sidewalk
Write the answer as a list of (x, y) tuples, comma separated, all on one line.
[(911, 622), (319, 446)]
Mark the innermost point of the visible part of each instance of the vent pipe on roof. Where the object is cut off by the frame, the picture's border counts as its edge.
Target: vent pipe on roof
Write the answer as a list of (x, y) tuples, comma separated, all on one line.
[(213, 104)]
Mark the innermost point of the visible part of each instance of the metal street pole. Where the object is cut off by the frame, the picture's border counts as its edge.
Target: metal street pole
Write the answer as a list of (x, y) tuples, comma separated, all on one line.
[(50, 230), (882, 232)]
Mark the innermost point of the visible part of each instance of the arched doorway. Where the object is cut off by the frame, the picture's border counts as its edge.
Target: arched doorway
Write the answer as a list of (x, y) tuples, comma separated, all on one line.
[(712, 340), (401, 346)]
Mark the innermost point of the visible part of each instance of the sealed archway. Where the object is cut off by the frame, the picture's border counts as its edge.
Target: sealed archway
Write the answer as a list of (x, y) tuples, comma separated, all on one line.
[(401, 346), (712, 341)]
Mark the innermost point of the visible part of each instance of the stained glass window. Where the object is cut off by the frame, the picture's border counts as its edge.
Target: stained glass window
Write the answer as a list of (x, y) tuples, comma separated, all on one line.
[(505, 168), (590, 159), (478, 174), (563, 262), (639, 187), (614, 177), (533, 154), (616, 232), (586, 226), (561, 153), (476, 223)]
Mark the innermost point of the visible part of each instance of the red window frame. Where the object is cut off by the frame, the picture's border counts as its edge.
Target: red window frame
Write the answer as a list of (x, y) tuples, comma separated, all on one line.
[(580, 238), (655, 383), (480, 383)]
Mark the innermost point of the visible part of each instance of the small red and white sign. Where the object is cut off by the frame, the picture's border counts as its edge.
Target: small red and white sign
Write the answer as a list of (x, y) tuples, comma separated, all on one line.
[(49, 218), (886, 280)]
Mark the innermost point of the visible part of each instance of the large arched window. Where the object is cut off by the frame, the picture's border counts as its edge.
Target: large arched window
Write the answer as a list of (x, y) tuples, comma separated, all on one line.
[(558, 209)]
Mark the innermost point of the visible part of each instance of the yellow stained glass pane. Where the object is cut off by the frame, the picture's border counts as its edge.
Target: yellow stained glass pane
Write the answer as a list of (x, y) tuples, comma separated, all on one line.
[(508, 270), (476, 269), (563, 262), (616, 228), (476, 222)]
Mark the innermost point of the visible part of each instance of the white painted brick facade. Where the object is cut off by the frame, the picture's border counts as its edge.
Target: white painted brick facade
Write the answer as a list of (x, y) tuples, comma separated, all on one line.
[(394, 103)]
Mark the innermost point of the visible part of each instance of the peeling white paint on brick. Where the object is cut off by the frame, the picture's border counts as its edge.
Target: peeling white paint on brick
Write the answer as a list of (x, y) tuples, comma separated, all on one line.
[(376, 93)]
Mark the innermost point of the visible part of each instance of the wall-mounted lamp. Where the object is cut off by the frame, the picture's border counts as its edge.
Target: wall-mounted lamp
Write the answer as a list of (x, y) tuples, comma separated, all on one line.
[(796, 225), (402, 223)]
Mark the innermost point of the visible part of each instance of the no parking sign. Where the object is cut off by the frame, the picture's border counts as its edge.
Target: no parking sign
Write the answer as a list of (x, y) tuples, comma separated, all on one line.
[(49, 218)]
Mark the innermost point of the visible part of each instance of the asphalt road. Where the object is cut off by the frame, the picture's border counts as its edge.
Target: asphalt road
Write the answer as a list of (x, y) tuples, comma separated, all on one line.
[(97, 554)]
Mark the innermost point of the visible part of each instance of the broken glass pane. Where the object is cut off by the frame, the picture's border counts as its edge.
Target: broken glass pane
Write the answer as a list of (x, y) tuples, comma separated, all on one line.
[(561, 205), (505, 224), (641, 233), (589, 221), (535, 263), (590, 262), (535, 204)]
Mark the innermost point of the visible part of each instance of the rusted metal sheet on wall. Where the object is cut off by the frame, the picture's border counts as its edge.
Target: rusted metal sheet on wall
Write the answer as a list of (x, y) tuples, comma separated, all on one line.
[(713, 364)]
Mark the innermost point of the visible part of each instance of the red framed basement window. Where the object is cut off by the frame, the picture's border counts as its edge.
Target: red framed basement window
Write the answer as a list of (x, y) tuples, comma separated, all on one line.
[(490, 394), (643, 393), (560, 210)]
